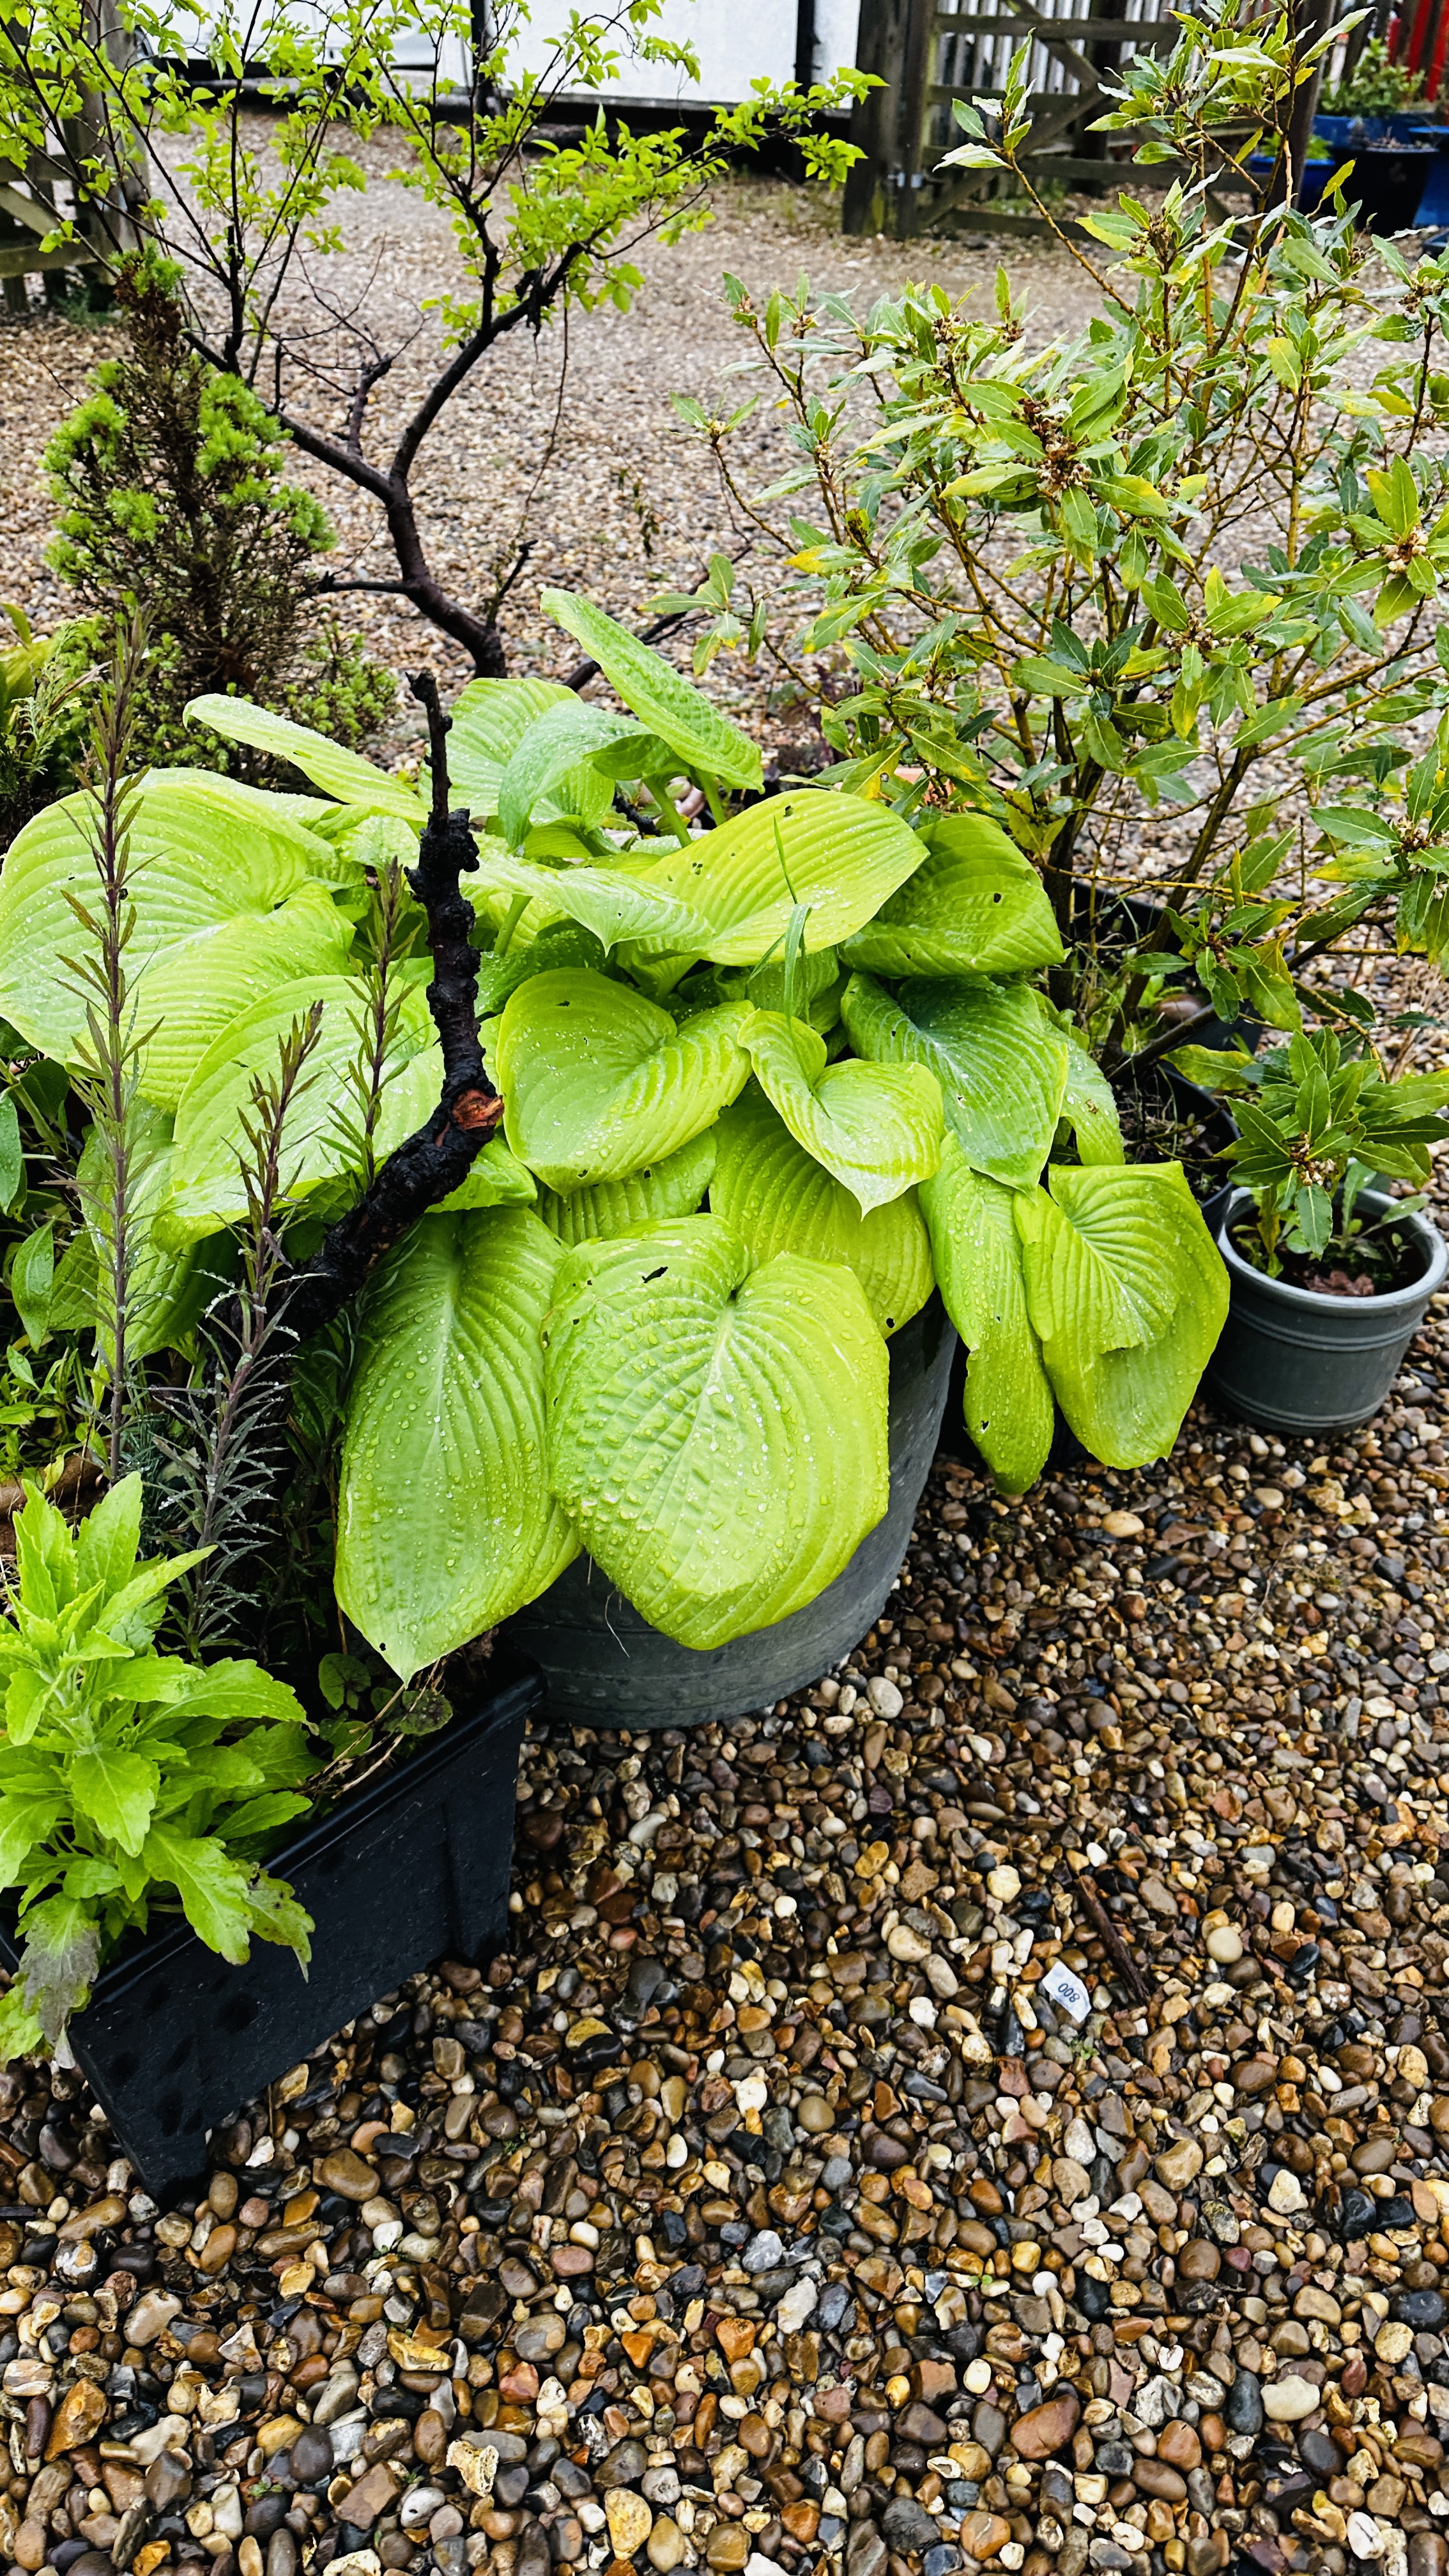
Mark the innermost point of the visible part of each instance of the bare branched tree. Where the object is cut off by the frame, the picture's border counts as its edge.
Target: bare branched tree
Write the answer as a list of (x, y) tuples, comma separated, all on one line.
[(545, 217)]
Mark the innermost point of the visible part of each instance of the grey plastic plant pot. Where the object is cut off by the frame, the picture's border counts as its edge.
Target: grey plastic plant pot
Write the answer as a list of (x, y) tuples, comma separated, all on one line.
[(605, 1666), (1293, 1360)]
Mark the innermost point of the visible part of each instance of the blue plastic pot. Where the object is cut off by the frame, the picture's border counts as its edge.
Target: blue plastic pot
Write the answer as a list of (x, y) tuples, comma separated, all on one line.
[(1389, 183), (1343, 132)]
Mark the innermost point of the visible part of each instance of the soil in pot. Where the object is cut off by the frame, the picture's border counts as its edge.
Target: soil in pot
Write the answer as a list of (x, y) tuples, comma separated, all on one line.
[(1167, 1120)]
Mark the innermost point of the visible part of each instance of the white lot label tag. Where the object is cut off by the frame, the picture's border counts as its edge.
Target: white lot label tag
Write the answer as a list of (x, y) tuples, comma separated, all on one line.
[(1061, 1987)]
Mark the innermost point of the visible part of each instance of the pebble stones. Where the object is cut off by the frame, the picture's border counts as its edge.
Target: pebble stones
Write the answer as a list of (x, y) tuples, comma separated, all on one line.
[(905, 2139)]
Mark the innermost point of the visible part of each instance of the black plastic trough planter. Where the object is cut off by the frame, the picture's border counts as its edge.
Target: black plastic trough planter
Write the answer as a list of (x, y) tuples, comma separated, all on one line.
[(605, 1665), (1294, 1360), (412, 1868)]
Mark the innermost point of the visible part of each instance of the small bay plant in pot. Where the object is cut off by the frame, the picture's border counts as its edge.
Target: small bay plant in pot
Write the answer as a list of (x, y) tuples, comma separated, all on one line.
[(652, 1120), (1331, 1275)]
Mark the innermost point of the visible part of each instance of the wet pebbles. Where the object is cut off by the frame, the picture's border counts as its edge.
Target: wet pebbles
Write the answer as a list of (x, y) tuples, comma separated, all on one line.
[(991, 2111)]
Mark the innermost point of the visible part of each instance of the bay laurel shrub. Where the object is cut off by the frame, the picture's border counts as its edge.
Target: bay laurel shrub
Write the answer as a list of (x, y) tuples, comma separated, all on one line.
[(1163, 593), (766, 1085)]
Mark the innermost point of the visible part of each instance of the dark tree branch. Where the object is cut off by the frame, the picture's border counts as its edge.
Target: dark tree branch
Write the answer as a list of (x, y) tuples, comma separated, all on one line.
[(459, 367), (432, 1162), (368, 376), (514, 573)]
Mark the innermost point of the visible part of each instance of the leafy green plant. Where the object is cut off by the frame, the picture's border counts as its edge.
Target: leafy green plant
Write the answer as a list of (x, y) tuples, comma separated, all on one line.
[(42, 718), (745, 1094), (1012, 578), (172, 500), (1374, 87), (132, 1781), (1319, 1122)]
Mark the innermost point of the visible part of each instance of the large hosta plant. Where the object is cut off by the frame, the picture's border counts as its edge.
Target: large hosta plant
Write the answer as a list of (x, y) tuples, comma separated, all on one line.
[(748, 1088)]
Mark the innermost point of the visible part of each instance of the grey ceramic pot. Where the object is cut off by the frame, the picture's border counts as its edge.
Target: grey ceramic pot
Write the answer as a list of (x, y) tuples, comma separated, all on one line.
[(1294, 1360), (605, 1666)]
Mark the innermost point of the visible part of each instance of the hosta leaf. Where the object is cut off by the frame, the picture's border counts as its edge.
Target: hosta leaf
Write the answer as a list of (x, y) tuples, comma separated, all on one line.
[(876, 1127), (342, 774), (548, 773), (1009, 1409), (815, 975), (1090, 1108), (705, 740), (202, 983), (976, 907), (446, 1522), (497, 1178), (206, 1186), (489, 721), (598, 1081), (204, 852), (838, 855), (1128, 1293), (716, 1432), (608, 902), (562, 943), (662, 1191), (779, 1199), (1002, 1068)]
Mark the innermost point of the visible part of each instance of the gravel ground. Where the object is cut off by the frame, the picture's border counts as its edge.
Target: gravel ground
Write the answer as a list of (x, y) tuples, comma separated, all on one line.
[(771, 2205), (764, 2205)]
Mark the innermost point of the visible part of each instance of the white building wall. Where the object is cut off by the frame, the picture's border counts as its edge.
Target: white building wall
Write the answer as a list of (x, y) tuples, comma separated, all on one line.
[(737, 42)]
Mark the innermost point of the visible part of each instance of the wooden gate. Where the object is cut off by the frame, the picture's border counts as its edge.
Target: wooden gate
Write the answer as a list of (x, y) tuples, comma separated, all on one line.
[(926, 53), (30, 202)]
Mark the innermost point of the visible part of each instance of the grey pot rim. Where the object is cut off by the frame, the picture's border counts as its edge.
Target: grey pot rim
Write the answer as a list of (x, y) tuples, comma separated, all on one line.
[(1313, 1300)]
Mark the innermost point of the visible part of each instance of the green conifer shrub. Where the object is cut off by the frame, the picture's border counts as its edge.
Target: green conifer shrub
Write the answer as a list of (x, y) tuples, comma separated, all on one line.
[(173, 502)]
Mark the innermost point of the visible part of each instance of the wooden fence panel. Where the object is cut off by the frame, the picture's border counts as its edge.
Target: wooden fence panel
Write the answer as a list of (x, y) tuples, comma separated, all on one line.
[(927, 54)]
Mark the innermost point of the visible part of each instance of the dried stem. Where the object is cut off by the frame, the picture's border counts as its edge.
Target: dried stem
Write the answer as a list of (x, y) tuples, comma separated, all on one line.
[(431, 1163)]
